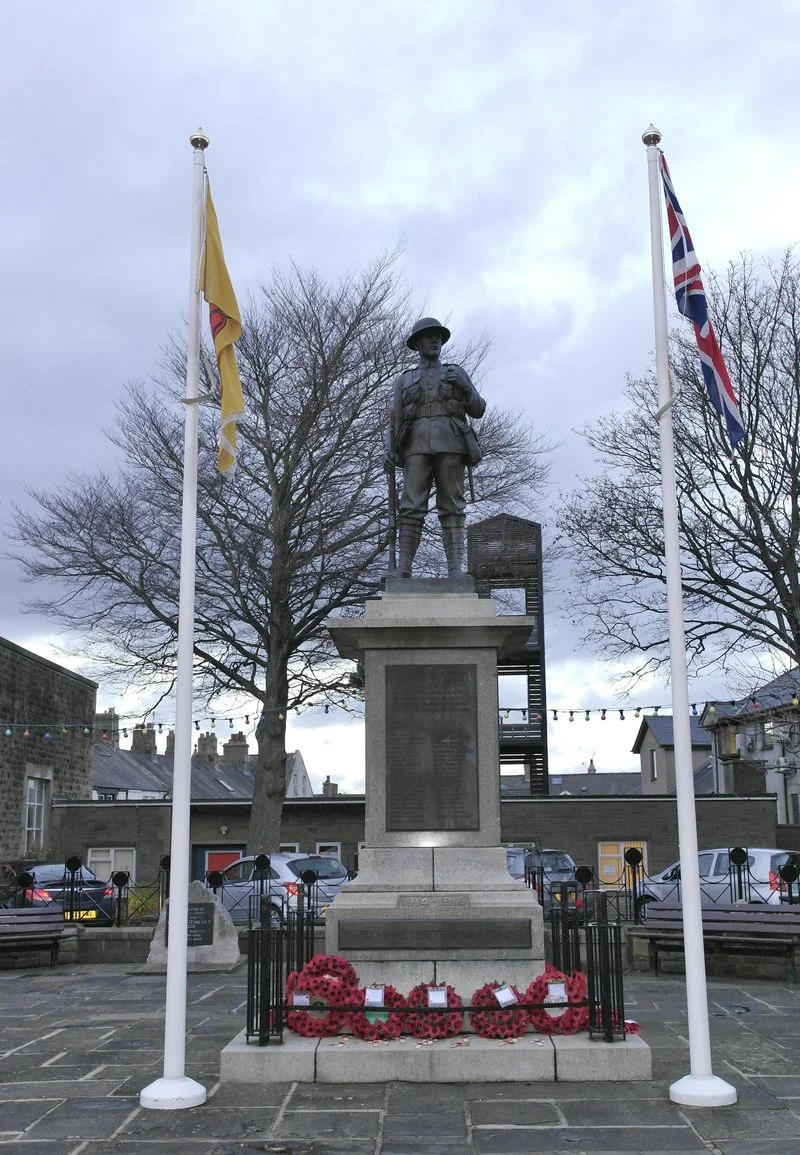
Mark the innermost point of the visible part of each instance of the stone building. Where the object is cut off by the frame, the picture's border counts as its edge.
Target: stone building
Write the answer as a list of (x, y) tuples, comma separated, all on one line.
[(47, 715), (655, 745)]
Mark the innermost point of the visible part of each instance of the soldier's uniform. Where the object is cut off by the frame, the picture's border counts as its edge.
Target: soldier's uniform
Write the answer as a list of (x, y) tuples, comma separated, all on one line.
[(431, 439)]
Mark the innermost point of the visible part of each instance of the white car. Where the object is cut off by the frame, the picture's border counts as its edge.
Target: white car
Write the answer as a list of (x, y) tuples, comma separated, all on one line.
[(755, 879), (241, 886)]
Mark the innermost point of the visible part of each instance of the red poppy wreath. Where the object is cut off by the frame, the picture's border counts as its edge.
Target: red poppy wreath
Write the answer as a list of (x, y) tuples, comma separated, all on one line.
[(548, 1020), (497, 1022), (374, 1024), (427, 1024)]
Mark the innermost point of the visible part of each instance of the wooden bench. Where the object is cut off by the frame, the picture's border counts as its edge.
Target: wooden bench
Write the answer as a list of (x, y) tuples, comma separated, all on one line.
[(33, 928), (728, 928)]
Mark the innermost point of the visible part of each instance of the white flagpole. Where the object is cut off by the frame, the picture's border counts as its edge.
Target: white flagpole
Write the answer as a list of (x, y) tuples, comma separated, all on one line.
[(174, 1090), (700, 1088)]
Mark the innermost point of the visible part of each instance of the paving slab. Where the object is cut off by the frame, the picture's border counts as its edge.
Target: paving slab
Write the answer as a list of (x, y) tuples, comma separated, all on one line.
[(85, 1040)]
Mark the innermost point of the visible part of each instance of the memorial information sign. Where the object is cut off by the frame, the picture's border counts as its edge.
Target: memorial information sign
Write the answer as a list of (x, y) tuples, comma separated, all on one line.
[(432, 747), (200, 927)]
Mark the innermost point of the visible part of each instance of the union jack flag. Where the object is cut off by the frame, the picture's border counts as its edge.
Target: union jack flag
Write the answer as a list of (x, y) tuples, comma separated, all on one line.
[(691, 298)]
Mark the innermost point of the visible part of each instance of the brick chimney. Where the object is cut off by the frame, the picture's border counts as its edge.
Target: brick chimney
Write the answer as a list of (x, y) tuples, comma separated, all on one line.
[(143, 740), (170, 751), (106, 728), (329, 789), (591, 768), (207, 747), (235, 751)]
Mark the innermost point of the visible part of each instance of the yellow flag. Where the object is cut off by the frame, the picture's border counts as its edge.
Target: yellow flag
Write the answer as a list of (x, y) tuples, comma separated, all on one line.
[(226, 327)]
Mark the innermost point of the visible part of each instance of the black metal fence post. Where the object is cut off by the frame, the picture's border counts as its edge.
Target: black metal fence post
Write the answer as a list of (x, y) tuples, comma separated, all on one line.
[(604, 975)]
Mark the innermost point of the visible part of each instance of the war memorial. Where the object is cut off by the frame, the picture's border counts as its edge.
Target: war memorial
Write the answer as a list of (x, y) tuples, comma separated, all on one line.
[(433, 902)]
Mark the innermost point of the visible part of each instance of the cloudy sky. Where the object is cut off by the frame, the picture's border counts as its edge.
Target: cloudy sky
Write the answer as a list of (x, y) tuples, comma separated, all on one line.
[(500, 142)]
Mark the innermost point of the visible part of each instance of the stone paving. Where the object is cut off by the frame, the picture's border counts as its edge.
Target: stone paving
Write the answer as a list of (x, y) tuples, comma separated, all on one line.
[(78, 1043)]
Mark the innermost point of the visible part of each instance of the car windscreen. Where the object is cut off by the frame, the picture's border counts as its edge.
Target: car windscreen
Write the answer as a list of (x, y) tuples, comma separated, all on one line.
[(325, 867), (557, 861)]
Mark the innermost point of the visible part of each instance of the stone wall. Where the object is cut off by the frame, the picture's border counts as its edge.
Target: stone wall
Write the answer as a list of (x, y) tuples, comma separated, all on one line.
[(573, 824), (145, 826), (579, 824), (45, 698)]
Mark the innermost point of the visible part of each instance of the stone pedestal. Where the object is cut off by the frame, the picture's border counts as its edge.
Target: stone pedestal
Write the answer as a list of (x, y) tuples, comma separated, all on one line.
[(433, 899)]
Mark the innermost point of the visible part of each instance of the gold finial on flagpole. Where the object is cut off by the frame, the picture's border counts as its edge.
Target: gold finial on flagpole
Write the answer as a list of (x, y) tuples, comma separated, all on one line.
[(651, 135)]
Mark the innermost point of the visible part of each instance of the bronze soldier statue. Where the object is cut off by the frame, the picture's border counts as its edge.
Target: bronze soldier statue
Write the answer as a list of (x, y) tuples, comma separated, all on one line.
[(431, 440)]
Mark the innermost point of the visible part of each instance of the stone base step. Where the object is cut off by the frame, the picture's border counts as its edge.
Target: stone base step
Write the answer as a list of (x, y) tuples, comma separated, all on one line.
[(465, 1059)]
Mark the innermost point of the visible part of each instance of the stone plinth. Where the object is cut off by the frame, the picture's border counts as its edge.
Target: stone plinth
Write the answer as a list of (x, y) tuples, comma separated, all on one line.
[(433, 899), (534, 1058)]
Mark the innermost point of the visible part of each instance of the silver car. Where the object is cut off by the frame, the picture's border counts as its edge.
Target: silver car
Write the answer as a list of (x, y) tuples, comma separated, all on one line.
[(242, 885), (755, 879)]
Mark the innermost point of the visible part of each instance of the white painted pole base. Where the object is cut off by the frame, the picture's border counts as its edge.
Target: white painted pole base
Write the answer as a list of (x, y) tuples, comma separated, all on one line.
[(702, 1091), (172, 1094)]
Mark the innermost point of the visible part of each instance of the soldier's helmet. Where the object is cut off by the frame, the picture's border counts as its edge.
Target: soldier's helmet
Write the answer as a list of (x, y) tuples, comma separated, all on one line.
[(422, 325)]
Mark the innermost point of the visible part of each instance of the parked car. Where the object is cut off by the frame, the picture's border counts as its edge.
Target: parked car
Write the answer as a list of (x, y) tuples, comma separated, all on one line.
[(81, 895), (243, 885), (543, 870), (758, 879)]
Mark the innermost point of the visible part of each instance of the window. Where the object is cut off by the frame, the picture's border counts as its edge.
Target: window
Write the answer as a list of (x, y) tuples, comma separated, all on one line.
[(37, 797), (107, 860), (289, 848), (794, 800), (654, 765), (332, 849)]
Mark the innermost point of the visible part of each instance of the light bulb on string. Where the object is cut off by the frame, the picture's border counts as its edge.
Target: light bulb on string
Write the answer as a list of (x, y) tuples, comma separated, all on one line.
[(9, 732), (196, 724), (160, 727), (587, 715), (104, 736), (46, 736), (694, 709), (555, 715), (26, 733), (86, 731), (327, 709), (524, 715), (656, 709), (230, 722), (622, 715), (572, 715), (124, 733), (637, 711), (712, 709), (247, 719), (213, 723), (603, 715)]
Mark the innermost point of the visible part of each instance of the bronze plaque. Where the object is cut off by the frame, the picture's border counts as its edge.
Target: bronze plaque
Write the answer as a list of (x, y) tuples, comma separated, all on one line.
[(439, 934), (432, 747)]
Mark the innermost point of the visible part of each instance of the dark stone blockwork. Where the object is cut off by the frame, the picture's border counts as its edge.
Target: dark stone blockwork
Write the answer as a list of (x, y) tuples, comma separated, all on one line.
[(431, 747), (434, 934)]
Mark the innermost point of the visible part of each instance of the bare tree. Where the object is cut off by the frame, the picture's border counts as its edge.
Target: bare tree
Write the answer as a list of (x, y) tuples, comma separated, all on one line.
[(299, 534), (739, 513)]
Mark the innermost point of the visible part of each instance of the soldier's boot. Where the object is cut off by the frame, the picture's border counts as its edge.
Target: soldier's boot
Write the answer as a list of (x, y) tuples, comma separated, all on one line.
[(454, 537), (409, 535)]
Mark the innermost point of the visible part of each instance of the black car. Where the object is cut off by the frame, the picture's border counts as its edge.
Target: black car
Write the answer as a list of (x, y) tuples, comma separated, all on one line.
[(80, 895)]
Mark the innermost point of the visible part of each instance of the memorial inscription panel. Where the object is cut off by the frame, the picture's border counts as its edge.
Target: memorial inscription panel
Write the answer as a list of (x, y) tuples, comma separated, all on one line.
[(432, 747)]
